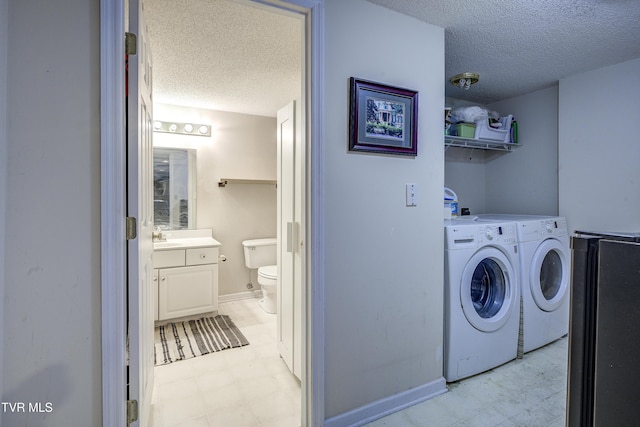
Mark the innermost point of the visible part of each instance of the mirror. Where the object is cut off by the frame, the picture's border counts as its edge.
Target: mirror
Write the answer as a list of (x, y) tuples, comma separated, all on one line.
[(174, 188)]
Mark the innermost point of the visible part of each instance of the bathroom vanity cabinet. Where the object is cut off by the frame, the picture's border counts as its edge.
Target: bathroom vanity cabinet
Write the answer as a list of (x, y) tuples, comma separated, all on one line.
[(186, 278)]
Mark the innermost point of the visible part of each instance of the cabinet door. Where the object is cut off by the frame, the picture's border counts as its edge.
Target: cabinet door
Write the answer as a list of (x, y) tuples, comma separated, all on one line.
[(185, 291), (154, 294)]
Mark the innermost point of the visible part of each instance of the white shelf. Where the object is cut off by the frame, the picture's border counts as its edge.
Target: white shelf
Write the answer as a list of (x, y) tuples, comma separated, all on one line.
[(225, 181), (483, 144)]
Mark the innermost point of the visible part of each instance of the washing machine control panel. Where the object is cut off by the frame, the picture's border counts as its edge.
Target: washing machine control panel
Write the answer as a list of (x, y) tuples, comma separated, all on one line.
[(465, 236), (550, 226), (501, 233), (490, 233)]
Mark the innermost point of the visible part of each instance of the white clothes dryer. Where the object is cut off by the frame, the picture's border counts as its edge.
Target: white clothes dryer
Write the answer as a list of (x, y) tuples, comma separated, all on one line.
[(481, 296), (545, 268)]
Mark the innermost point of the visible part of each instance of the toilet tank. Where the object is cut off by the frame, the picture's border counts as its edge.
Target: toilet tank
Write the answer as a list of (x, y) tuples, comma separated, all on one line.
[(260, 252)]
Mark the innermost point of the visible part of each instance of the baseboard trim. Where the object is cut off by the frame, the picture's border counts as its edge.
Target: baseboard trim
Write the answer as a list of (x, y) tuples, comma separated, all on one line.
[(383, 407), (240, 295)]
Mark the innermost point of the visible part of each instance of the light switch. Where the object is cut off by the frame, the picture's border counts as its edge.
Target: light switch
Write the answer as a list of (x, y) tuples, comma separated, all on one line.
[(412, 194)]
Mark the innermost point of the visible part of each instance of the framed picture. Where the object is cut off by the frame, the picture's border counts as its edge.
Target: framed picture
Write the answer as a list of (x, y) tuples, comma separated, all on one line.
[(382, 119)]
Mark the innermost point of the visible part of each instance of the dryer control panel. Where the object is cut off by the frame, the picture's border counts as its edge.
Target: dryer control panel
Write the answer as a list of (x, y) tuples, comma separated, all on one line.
[(540, 229), (556, 226)]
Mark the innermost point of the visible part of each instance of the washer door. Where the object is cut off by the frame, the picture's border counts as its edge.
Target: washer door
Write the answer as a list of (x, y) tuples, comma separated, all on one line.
[(549, 275), (488, 289)]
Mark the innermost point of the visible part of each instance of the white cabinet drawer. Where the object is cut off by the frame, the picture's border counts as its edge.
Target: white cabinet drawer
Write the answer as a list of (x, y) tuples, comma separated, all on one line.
[(197, 256), (173, 258)]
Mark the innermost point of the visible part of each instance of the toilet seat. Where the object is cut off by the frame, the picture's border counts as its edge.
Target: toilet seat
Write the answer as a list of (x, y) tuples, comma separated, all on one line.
[(268, 272)]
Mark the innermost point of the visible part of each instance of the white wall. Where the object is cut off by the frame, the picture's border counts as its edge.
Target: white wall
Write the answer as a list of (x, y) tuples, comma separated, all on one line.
[(599, 150), (525, 181), (241, 146), (52, 345), (4, 4), (465, 173), (383, 261)]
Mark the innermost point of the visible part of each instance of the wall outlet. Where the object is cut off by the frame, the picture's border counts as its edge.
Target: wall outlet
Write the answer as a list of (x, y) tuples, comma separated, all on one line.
[(412, 194)]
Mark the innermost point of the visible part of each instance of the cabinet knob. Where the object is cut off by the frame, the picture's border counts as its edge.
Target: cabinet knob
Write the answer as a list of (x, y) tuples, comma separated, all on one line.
[(203, 256)]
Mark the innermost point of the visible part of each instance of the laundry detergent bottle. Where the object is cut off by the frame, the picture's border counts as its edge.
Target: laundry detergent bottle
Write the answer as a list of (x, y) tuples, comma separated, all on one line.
[(450, 203)]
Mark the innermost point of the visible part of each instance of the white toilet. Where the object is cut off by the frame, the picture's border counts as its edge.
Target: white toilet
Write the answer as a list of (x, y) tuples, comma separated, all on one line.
[(262, 254)]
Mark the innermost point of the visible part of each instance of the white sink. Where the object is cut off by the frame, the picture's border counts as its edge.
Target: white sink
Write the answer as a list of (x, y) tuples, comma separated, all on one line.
[(192, 242), (167, 245), (184, 239)]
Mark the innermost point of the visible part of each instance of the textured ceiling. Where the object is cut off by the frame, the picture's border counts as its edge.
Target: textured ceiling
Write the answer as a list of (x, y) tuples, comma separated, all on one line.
[(228, 56), (221, 55), (518, 46)]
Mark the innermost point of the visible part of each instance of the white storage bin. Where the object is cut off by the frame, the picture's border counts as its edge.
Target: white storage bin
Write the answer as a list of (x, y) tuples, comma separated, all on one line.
[(484, 131)]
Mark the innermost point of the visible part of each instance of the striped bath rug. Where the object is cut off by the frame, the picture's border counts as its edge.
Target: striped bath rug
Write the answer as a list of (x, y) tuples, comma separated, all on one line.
[(192, 338)]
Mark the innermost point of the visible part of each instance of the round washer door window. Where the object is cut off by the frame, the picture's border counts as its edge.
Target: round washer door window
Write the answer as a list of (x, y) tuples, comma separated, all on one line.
[(549, 275), (488, 290)]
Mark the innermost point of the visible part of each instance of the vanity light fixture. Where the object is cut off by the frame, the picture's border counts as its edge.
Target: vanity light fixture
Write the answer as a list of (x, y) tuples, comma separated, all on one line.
[(182, 128), (465, 80)]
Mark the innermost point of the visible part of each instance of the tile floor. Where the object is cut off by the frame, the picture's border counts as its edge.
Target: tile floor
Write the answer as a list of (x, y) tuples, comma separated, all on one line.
[(249, 386), (527, 392)]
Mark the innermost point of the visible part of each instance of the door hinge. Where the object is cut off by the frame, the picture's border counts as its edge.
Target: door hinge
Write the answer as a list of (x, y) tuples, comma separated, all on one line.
[(132, 411), (131, 228), (130, 43)]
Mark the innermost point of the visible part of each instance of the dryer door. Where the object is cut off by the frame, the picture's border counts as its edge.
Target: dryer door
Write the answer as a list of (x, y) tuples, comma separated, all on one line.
[(549, 274), (489, 290)]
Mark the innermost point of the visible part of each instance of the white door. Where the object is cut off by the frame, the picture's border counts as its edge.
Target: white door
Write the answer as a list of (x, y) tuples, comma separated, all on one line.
[(140, 206), (289, 200)]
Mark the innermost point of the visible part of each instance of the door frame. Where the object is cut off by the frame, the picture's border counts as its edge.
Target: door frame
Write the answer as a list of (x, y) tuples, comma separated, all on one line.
[(113, 209)]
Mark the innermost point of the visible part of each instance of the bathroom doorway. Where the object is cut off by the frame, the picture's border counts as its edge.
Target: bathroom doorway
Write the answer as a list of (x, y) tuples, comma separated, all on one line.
[(204, 28)]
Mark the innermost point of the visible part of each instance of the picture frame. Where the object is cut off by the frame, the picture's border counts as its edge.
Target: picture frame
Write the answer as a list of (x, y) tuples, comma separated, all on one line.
[(382, 119)]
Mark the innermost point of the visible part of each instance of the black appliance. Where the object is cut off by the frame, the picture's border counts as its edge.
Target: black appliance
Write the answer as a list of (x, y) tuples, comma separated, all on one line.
[(604, 330)]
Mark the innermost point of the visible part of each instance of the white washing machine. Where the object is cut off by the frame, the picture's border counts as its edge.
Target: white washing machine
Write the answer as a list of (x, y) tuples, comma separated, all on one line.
[(482, 297), (545, 267)]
